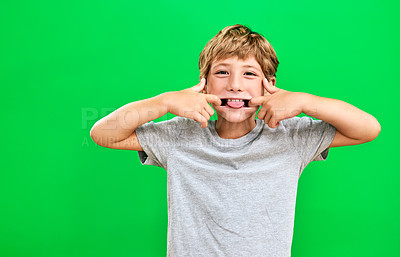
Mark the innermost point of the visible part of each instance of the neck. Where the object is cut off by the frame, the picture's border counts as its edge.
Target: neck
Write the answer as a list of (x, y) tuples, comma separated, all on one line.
[(233, 130)]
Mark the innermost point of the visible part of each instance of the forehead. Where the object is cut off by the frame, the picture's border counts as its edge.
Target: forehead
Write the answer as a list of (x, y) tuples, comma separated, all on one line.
[(234, 62)]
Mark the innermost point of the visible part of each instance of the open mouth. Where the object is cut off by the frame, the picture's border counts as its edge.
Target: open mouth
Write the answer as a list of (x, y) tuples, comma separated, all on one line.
[(235, 103)]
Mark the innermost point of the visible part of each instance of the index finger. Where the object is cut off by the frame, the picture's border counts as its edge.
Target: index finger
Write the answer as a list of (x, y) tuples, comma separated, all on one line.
[(212, 99), (256, 101)]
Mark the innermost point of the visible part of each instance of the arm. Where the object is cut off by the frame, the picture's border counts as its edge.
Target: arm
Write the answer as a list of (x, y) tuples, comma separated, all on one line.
[(353, 125), (117, 130), (121, 123)]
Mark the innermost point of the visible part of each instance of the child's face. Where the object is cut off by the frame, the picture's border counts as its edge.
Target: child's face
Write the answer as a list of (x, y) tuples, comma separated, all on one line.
[(237, 79)]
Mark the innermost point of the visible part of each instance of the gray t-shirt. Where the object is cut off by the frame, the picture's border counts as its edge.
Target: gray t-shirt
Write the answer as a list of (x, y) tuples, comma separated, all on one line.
[(232, 197)]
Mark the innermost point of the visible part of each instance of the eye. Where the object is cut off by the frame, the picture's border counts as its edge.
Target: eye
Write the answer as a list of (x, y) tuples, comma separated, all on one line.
[(219, 72), (251, 73)]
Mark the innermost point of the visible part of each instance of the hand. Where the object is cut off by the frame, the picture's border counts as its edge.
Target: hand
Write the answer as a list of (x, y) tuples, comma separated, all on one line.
[(278, 105), (189, 103)]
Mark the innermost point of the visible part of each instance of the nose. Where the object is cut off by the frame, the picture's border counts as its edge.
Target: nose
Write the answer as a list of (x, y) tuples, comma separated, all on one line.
[(235, 84)]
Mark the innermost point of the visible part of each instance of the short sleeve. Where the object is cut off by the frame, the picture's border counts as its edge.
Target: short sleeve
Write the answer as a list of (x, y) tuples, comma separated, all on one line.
[(158, 140), (311, 138)]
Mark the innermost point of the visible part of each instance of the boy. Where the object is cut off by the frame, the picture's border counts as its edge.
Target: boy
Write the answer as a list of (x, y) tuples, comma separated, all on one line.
[(232, 183)]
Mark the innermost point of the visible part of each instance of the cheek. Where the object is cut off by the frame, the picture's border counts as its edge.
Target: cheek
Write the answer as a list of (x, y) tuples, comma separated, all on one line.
[(258, 90), (212, 89)]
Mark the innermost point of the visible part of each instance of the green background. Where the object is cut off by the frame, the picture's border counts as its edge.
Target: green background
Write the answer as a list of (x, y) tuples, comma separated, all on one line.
[(66, 64)]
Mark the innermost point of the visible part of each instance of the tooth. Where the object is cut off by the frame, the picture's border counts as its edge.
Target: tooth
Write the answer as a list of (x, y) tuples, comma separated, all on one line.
[(234, 100)]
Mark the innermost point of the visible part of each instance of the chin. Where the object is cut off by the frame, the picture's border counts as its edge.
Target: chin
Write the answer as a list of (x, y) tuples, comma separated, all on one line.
[(235, 115)]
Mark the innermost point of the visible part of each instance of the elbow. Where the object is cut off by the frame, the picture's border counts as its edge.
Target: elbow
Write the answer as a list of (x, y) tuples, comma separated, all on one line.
[(374, 131), (95, 137), (100, 140), (377, 131), (92, 134)]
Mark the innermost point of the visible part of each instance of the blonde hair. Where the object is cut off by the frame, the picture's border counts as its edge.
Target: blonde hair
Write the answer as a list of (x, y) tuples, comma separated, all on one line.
[(240, 41)]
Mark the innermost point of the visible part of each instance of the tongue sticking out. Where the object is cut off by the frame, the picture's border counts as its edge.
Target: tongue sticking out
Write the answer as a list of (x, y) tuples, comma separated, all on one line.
[(235, 104)]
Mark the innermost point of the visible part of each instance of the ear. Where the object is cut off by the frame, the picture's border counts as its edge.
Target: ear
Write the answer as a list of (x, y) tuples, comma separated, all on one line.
[(272, 80), (204, 91)]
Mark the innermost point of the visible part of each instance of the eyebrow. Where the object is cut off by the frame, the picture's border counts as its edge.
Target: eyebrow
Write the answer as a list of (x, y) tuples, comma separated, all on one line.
[(246, 66)]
